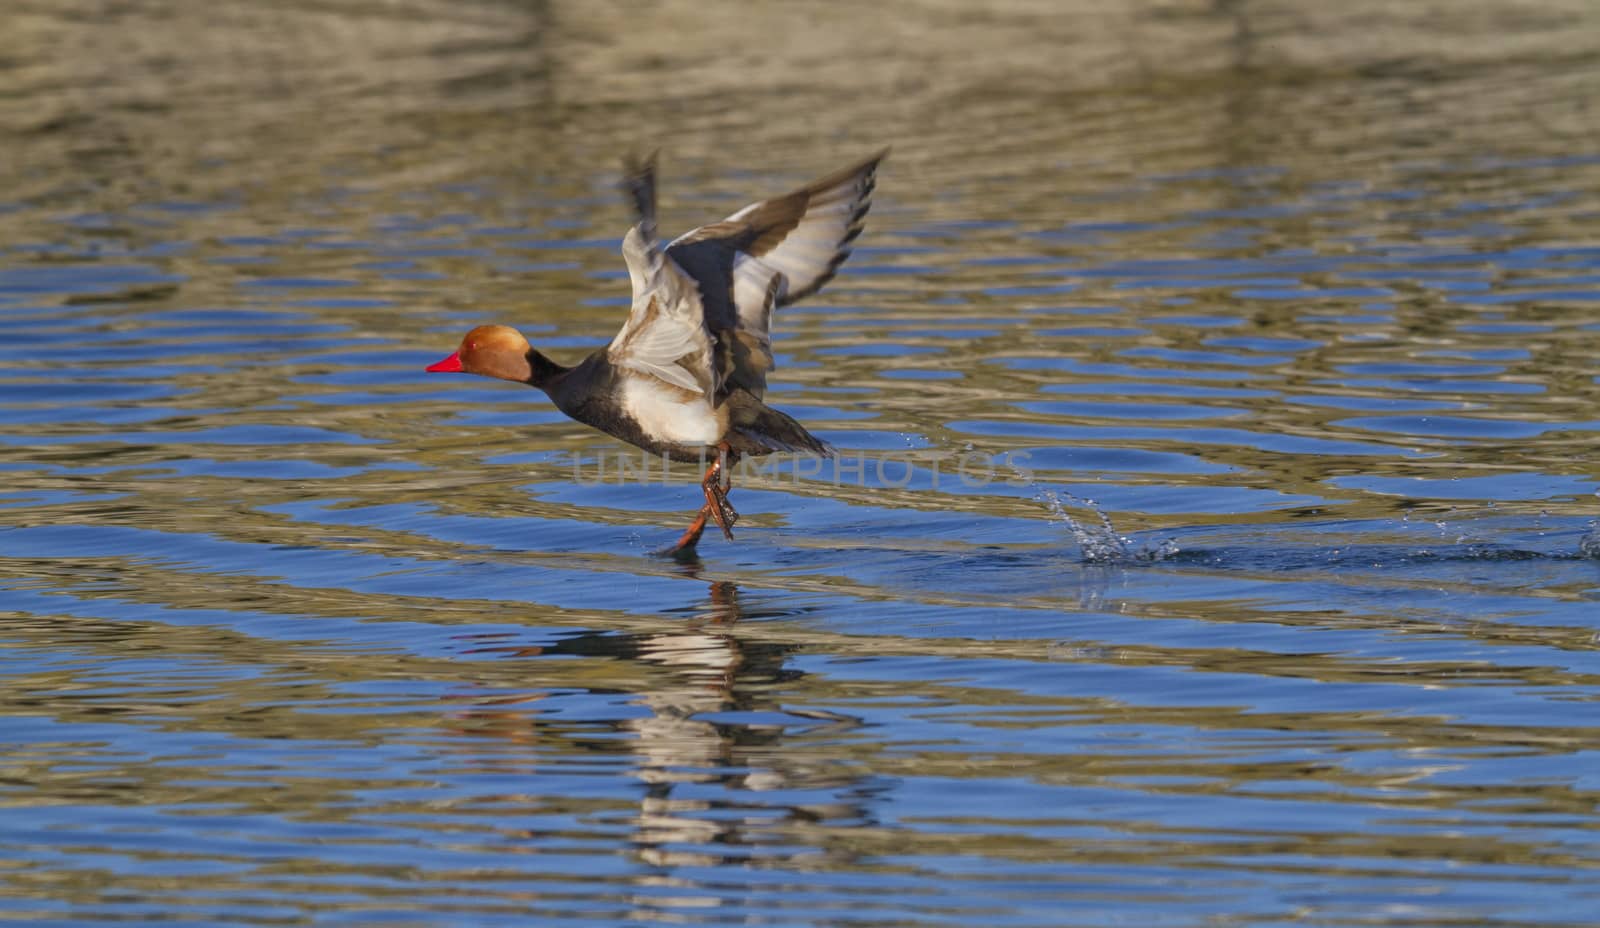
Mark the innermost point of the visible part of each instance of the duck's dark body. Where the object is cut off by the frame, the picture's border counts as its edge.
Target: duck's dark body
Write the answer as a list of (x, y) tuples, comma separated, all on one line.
[(590, 394)]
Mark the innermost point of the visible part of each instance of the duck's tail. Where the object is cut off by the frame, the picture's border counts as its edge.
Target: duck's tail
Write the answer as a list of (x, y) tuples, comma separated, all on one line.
[(758, 429)]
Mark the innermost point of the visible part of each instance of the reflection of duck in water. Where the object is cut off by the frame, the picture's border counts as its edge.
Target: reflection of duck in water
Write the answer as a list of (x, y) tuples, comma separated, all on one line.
[(687, 374), (711, 734), (722, 726)]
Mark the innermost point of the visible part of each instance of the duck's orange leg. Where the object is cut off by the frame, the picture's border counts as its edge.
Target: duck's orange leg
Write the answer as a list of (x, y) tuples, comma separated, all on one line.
[(691, 536), (714, 485)]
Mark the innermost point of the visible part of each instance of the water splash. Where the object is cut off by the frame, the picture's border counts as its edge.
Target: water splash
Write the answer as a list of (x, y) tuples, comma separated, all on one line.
[(1589, 544), (1099, 541)]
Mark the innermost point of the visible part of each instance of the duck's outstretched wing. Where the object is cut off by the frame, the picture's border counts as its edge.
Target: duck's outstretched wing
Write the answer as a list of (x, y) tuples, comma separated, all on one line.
[(770, 254), (804, 235), (665, 336)]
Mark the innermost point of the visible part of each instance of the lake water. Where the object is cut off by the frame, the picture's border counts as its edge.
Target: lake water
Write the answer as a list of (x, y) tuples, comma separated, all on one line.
[(1213, 538)]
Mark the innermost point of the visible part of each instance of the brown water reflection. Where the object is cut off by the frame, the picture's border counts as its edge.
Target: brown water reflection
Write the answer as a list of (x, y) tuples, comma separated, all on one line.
[(135, 99)]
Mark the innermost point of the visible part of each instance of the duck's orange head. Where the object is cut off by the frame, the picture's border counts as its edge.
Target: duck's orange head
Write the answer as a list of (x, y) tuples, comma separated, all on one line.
[(492, 351)]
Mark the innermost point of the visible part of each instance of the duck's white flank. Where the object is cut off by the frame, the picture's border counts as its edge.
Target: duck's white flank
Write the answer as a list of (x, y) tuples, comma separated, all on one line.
[(670, 415)]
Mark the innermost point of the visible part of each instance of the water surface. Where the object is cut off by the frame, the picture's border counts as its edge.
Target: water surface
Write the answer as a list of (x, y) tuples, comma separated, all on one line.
[(1212, 539)]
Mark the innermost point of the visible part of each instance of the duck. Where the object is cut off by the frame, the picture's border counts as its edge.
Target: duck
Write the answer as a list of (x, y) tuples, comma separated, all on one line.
[(686, 375)]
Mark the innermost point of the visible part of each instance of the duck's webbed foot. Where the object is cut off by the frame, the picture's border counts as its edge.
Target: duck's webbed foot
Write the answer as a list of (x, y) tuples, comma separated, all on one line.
[(716, 485), (720, 509)]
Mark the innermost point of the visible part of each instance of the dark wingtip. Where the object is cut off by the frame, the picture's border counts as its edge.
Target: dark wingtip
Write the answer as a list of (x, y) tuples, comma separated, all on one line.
[(639, 184), (635, 164)]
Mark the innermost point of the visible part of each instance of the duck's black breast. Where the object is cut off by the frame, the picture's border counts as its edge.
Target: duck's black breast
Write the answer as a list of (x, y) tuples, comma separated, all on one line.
[(592, 393)]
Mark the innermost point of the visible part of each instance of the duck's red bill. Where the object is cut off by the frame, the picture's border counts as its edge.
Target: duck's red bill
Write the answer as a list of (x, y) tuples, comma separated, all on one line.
[(448, 365)]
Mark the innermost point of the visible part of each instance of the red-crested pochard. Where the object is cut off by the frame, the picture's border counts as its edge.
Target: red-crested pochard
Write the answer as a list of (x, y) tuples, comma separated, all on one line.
[(686, 375)]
